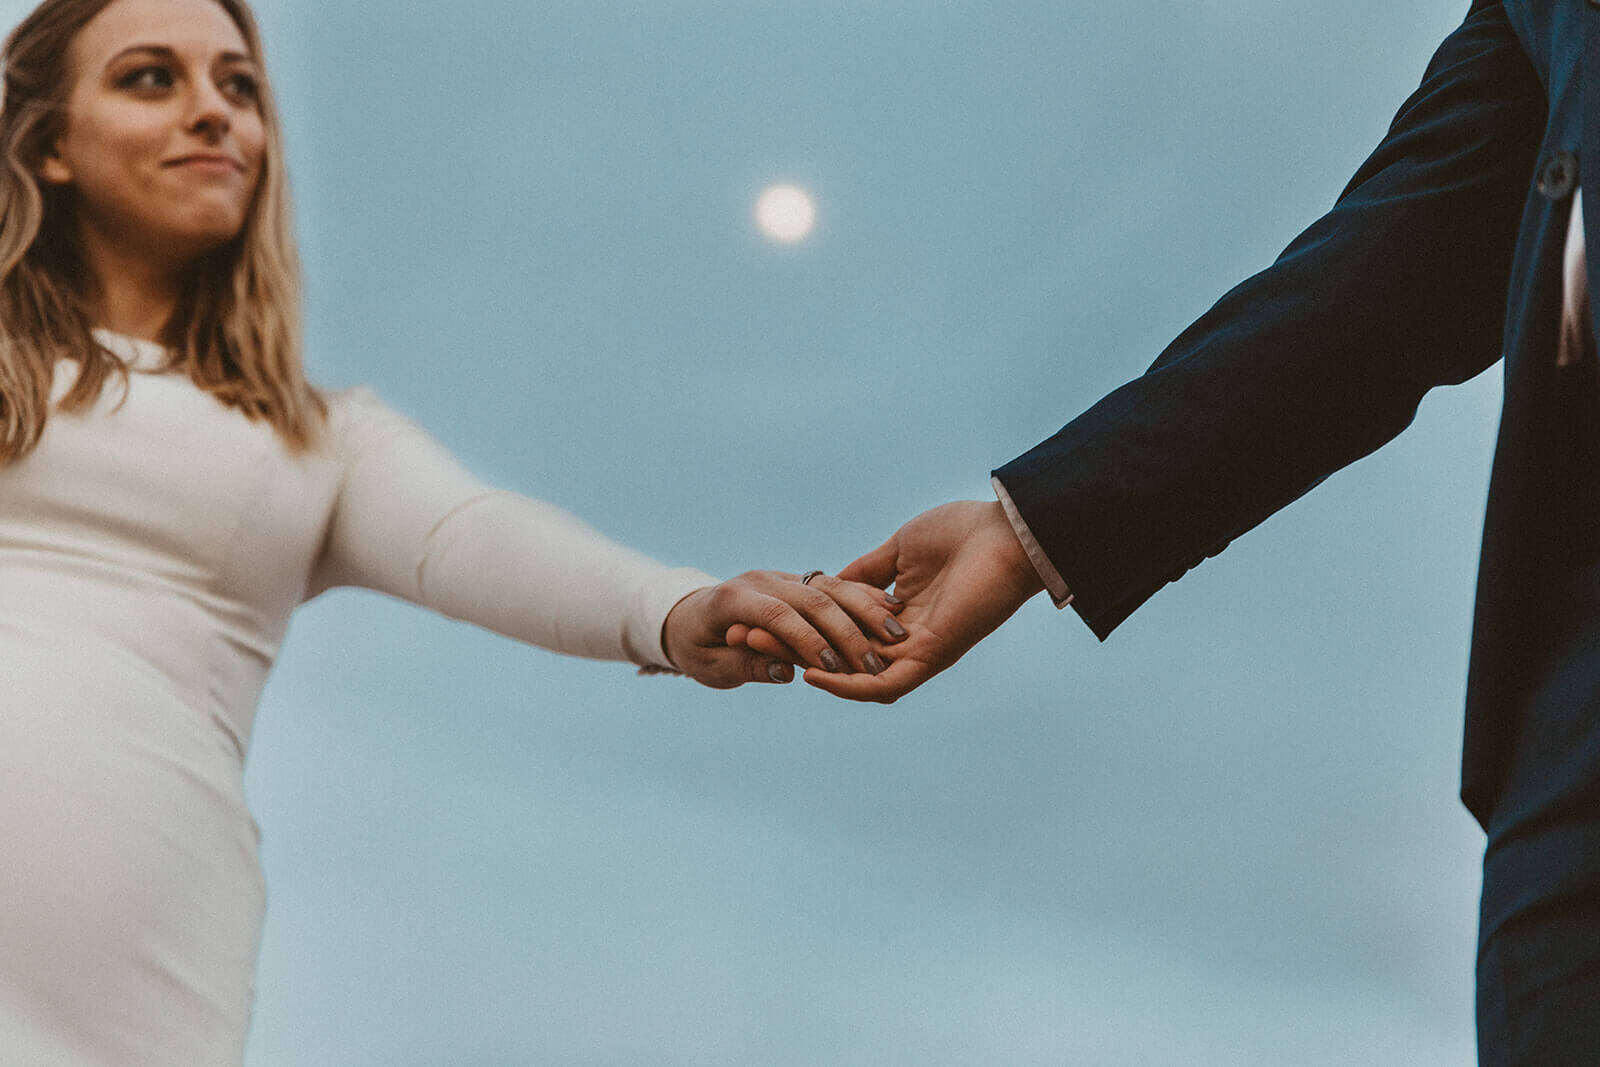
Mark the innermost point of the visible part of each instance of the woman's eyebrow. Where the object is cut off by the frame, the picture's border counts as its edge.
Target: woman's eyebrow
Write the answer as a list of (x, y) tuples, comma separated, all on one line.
[(159, 50), (162, 51)]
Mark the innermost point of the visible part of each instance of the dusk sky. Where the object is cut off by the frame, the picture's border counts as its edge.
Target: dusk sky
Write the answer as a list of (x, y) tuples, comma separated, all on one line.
[(1228, 836)]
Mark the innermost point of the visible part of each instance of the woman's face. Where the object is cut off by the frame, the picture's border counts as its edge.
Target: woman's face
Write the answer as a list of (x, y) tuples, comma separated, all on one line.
[(164, 139)]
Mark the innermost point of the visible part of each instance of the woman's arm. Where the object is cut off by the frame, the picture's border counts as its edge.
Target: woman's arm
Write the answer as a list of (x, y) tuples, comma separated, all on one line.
[(408, 520)]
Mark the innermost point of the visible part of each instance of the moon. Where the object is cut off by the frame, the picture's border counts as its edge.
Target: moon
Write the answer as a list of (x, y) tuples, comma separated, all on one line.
[(786, 213)]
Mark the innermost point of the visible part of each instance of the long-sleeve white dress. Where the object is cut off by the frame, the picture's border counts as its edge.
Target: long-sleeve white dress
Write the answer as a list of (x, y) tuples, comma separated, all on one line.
[(151, 552)]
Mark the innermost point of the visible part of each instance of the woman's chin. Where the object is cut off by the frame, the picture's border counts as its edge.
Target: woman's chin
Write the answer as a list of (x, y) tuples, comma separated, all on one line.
[(193, 243)]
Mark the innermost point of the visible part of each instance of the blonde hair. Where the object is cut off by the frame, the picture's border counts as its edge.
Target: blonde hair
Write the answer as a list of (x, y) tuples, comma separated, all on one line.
[(236, 332)]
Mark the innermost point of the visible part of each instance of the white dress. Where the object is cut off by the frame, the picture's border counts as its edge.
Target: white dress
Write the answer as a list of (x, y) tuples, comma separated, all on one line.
[(151, 552)]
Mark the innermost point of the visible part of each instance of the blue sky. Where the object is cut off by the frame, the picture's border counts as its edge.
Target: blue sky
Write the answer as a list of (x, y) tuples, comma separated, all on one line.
[(1227, 836)]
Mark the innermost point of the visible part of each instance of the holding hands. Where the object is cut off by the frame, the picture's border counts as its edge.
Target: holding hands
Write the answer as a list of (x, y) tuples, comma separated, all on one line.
[(958, 572), (759, 626)]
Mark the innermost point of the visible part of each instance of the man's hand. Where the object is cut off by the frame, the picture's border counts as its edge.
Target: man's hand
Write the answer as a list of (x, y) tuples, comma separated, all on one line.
[(960, 572)]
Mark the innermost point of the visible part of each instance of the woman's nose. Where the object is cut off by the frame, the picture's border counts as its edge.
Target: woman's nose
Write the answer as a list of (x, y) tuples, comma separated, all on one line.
[(209, 112)]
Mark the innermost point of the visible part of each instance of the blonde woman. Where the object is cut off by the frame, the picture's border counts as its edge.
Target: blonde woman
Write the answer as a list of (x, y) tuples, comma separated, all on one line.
[(171, 487)]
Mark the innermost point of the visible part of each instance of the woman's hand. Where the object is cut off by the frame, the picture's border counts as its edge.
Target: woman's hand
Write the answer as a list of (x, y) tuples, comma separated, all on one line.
[(756, 627)]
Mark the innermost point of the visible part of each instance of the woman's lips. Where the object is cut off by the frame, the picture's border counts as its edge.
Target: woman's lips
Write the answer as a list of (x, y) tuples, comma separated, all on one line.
[(208, 163)]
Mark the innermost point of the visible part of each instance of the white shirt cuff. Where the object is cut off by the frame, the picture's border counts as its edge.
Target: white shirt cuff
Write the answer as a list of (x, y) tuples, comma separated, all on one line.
[(1053, 582)]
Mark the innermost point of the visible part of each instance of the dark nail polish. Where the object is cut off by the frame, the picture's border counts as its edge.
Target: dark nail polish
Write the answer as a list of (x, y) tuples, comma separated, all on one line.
[(891, 598), (874, 664), (892, 625), (778, 672), (831, 661)]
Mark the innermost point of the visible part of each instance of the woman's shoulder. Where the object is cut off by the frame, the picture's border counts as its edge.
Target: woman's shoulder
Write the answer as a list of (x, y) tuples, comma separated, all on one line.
[(358, 419), (352, 402)]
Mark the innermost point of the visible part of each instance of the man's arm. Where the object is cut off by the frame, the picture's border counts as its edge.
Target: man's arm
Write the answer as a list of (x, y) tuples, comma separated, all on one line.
[(1317, 360), (1302, 369)]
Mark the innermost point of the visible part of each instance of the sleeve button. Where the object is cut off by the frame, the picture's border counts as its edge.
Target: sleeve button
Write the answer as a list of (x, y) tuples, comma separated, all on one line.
[(1558, 175)]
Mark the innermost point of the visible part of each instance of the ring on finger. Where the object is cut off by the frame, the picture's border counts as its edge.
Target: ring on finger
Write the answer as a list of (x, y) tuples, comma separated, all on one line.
[(805, 579)]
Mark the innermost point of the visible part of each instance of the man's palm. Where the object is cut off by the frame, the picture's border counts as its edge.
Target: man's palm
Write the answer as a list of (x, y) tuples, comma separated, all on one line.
[(961, 572)]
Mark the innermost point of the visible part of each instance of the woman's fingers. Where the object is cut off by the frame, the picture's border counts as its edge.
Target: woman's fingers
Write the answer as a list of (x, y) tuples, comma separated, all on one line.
[(811, 622), (728, 668), (872, 609), (759, 626)]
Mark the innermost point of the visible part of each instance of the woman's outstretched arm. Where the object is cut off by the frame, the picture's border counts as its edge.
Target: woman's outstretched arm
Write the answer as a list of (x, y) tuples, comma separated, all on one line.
[(408, 520)]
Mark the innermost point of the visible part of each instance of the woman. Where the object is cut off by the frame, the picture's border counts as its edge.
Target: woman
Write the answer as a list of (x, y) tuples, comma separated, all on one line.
[(171, 487)]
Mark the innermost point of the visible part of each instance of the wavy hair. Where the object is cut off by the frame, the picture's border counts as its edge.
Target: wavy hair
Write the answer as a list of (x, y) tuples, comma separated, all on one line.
[(236, 331)]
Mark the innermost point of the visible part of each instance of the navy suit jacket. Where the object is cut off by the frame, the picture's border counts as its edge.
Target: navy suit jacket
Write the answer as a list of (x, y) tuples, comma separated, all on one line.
[(1443, 253)]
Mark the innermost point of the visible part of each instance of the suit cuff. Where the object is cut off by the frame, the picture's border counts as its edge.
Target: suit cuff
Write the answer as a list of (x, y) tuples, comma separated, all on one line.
[(1054, 584)]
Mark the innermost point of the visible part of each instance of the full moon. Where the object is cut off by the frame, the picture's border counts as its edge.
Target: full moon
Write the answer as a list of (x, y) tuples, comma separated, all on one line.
[(786, 213)]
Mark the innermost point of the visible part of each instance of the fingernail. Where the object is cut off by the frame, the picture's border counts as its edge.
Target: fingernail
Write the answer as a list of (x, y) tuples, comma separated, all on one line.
[(891, 598), (831, 661), (892, 624), (874, 664), (779, 672)]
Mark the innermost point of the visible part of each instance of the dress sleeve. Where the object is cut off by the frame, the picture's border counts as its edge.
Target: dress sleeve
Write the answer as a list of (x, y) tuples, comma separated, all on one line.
[(408, 520), (1314, 362)]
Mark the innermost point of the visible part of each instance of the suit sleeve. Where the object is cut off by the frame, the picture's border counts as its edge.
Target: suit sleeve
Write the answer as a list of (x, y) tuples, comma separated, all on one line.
[(1314, 362), (409, 521)]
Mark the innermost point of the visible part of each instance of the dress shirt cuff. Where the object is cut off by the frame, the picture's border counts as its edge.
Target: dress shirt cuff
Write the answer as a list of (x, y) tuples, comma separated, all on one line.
[(1053, 582)]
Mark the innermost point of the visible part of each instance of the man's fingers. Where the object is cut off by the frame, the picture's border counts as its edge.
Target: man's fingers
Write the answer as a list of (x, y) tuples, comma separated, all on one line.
[(900, 678), (876, 567), (759, 640)]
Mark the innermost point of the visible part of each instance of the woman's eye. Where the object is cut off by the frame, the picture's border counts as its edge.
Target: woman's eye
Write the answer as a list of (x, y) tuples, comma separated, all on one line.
[(146, 79), (242, 87)]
